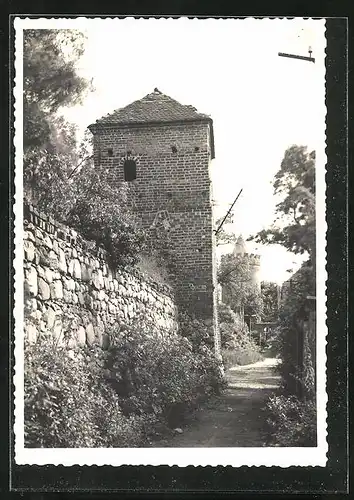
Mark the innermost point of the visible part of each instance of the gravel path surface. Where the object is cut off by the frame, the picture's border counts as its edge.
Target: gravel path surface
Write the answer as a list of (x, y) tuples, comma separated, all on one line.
[(235, 418)]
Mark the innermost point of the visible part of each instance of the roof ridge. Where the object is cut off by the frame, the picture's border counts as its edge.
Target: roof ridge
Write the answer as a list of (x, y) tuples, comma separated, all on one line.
[(153, 107)]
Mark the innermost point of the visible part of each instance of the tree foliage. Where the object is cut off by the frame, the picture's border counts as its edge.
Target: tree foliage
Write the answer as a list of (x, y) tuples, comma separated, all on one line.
[(223, 236), (269, 292), (59, 173), (297, 367), (238, 348), (50, 83), (295, 224), (239, 291), (99, 213)]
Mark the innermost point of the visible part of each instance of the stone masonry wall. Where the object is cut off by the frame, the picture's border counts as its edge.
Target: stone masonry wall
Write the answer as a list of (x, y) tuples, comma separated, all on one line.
[(72, 294), (173, 188)]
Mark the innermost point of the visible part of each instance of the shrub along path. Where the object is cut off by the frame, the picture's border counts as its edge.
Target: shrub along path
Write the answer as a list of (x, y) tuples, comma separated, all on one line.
[(235, 418)]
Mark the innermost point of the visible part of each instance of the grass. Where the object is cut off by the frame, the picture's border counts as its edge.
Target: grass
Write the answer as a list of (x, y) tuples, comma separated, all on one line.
[(240, 357)]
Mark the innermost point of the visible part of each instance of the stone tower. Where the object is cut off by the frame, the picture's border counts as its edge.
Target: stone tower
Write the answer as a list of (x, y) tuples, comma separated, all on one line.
[(161, 150), (254, 260)]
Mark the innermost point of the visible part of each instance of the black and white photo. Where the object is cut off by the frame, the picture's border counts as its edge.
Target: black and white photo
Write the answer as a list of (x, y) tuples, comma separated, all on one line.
[(170, 234)]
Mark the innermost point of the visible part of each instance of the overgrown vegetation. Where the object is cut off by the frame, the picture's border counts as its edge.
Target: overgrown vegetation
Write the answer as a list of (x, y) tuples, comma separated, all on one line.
[(292, 414), (59, 175), (296, 346), (239, 291), (294, 186), (198, 332), (68, 403), (269, 292), (291, 421), (145, 381), (238, 348), (143, 384), (160, 375), (51, 82), (99, 212)]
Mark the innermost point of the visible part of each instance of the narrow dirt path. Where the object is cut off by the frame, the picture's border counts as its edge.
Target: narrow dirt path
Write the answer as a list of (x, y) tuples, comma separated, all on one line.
[(235, 418)]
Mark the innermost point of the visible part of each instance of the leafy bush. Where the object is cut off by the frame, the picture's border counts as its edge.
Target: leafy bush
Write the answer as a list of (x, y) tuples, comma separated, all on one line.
[(158, 375), (226, 314), (84, 198), (198, 331), (100, 212), (234, 332), (238, 348), (88, 397), (69, 404), (297, 350), (238, 290), (291, 422)]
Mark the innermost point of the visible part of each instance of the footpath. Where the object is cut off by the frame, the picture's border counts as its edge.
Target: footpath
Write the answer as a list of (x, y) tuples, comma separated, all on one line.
[(234, 419)]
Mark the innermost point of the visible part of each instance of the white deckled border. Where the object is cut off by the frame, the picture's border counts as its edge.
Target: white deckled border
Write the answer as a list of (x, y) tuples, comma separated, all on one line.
[(236, 457), (321, 272)]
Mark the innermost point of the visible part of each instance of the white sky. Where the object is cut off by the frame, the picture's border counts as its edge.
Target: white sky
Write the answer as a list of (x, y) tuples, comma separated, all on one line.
[(230, 69)]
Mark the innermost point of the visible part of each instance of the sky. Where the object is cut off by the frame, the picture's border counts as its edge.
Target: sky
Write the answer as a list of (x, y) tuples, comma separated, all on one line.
[(260, 103)]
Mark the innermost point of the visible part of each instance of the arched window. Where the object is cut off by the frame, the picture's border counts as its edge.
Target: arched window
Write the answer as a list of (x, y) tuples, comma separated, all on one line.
[(129, 170)]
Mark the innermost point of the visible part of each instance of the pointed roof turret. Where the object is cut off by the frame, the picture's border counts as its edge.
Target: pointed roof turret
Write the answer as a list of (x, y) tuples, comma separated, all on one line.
[(240, 246)]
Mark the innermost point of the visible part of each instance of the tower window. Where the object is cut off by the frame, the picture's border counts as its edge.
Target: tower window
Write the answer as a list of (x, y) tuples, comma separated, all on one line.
[(129, 170), (174, 149), (110, 152)]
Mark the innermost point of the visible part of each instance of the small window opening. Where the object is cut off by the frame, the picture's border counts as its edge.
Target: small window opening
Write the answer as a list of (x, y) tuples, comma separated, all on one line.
[(129, 153), (196, 149), (174, 149), (129, 170), (110, 152)]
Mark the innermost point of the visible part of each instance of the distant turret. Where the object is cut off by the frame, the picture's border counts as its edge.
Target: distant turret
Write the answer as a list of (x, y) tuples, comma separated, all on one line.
[(255, 268), (254, 260), (240, 246)]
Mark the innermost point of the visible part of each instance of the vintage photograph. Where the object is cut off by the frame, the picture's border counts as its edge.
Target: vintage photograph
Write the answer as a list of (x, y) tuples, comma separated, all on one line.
[(170, 238)]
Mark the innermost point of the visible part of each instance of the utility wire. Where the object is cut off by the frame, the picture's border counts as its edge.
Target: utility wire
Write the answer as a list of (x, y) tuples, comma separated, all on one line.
[(227, 213)]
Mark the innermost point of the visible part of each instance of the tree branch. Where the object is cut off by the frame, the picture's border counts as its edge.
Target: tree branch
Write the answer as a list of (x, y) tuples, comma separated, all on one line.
[(77, 166)]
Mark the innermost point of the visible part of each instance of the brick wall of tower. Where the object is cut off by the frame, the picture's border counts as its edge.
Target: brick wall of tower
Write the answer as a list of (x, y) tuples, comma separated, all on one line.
[(177, 182)]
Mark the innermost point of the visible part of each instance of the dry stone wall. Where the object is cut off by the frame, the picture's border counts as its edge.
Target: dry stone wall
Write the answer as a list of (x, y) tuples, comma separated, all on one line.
[(72, 293)]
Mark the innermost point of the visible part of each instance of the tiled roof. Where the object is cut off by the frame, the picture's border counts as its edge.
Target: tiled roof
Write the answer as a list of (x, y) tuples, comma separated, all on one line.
[(153, 108)]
